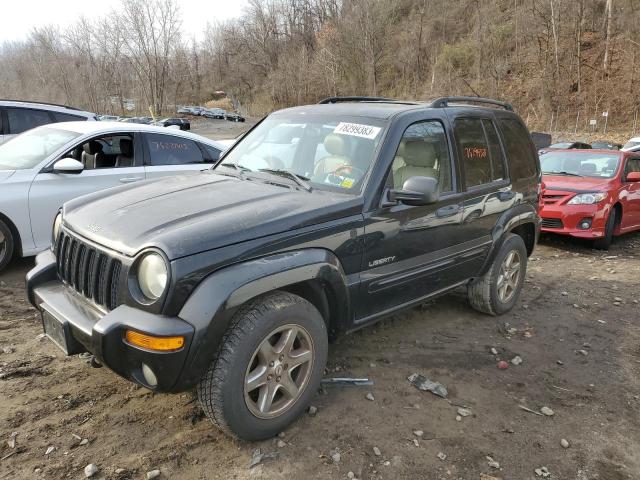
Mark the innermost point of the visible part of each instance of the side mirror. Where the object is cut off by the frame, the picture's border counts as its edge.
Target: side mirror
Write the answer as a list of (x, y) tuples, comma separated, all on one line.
[(416, 191), (633, 177), (68, 165)]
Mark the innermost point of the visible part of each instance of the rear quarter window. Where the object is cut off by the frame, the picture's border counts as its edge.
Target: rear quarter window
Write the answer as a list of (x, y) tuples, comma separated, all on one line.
[(65, 117), (521, 158)]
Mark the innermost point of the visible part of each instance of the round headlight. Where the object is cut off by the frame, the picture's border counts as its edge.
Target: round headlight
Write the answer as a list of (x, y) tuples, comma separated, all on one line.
[(152, 276), (57, 223)]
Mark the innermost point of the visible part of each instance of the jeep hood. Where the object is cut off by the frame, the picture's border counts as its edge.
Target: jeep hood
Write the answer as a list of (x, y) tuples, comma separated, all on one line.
[(188, 214)]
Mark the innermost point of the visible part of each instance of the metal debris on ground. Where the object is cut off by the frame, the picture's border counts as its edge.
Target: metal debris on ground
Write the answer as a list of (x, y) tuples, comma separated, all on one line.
[(347, 382), (259, 457), (530, 411), (542, 472), (422, 383)]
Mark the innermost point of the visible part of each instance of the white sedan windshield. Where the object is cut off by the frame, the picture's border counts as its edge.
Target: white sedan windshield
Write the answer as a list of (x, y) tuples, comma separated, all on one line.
[(32, 147), (326, 151)]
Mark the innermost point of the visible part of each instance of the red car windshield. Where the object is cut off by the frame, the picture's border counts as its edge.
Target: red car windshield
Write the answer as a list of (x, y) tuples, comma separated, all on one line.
[(581, 164)]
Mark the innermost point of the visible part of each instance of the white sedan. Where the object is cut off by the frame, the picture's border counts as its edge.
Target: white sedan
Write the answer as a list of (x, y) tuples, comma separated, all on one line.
[(44, 167)]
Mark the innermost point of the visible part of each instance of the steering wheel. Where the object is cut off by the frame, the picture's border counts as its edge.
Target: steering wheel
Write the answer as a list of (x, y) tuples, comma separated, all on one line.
[(349, 169)]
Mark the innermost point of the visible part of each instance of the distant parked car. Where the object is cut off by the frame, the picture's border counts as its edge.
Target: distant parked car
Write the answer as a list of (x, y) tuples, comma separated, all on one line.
[(591, 194), (633, 145), (46, 166), (234, 117), (566, 146), (606, 145), (108, 118), (184, 110), (217, 113), (17, 116), (179, 122), (541, 140)]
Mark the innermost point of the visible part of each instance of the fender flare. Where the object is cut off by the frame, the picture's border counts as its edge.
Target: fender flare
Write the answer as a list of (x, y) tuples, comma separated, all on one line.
[(212, 304), (512, 218)]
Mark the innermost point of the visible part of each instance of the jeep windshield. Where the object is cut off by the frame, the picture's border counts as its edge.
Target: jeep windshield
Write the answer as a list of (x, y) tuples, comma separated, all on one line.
[(581, 164), (32, 147), (325, 152)]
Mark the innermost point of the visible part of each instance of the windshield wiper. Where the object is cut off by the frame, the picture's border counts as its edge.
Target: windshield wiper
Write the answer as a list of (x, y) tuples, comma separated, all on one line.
[(299, 179), (571, 174), (241, 169)]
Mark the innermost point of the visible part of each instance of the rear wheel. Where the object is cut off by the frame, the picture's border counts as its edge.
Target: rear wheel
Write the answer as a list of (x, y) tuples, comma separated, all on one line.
[(605, 242), (497, 291), (7, 245), (268, 367)]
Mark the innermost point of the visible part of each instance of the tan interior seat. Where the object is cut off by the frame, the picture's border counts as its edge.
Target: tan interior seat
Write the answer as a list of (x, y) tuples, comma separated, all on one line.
[(420, 158), (336, 146)]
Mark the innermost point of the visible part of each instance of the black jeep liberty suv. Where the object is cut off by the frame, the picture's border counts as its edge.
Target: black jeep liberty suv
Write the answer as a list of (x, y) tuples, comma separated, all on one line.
[(320, 220)]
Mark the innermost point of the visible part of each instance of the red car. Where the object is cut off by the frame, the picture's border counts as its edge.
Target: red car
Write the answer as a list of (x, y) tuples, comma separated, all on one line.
[(592, 194)]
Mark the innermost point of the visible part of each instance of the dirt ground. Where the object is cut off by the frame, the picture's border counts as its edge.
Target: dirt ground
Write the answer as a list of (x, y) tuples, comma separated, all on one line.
[(576, 299), (576, 328)]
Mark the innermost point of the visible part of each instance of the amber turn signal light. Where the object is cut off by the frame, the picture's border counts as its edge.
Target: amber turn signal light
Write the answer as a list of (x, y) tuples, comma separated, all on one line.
[(149, 342)]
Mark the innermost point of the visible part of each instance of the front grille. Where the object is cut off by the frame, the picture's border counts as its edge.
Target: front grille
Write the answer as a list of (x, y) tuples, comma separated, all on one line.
[(552, 223), (550, 199), (89, 271)]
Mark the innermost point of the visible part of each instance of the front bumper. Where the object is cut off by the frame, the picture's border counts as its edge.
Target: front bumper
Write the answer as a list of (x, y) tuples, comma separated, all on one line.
[(565, 220), (85, 328)]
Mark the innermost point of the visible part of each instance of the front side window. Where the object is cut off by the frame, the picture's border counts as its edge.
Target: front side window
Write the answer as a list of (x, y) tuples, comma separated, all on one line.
[(423, 152), (23, 119), (479, 151), (580, 164), (32, 147), (170, 150), (328, 151)]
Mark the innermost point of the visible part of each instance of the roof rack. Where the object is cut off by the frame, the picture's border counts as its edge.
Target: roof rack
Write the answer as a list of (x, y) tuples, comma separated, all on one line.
[(38, 103), (364, 99), (444, 102)]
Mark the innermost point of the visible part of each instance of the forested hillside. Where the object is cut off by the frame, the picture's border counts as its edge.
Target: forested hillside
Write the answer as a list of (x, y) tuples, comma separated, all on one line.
[(561, 62)]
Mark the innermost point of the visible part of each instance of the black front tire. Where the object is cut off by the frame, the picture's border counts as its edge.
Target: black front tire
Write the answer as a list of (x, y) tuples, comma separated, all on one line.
[(483, 293), (605, 242), (7, 245), (221, 390)]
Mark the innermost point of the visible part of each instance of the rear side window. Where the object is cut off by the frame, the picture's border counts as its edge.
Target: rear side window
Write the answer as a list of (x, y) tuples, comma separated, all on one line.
[(522, 160), (633, 165), (214, 153), (23, 119), (479, 151), (170, 150), (65, 117)]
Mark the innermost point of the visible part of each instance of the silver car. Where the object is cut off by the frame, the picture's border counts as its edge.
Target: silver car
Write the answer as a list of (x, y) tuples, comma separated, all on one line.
[(17, 116), (44, 167)]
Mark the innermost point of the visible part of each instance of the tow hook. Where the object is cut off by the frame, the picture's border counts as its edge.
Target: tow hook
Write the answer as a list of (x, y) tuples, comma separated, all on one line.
[(94, 362)]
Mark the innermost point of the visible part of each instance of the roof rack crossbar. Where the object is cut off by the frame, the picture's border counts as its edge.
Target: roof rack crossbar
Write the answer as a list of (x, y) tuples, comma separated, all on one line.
[(444, 102), (39, 103), (363, 99)]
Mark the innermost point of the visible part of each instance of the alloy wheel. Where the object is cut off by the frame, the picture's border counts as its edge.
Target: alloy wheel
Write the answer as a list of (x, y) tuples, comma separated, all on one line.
[(509, 276), (279, 371)]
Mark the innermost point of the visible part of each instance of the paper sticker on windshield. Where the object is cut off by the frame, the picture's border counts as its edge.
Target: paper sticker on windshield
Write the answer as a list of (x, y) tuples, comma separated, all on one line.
[(347, 182), (357, 130)]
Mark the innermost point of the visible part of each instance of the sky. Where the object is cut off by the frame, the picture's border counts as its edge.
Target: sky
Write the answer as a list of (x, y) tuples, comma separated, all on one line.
[(18, 17)]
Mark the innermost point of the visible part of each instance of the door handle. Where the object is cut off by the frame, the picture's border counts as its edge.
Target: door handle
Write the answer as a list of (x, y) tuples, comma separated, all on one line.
[(448, 211), (130, 179)]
